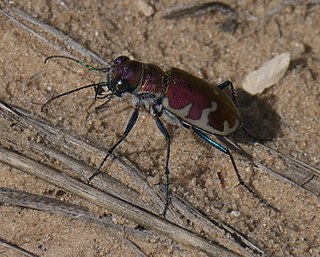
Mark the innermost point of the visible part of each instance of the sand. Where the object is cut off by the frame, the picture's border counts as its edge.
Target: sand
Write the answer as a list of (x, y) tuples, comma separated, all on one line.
[(212, 46)]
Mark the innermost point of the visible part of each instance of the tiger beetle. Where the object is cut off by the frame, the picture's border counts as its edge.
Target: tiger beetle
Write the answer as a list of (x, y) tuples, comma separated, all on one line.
[(185, 99)]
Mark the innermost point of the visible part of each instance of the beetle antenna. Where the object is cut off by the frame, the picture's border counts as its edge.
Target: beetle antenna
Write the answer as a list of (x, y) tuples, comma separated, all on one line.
[(79, 62), (67, 93)]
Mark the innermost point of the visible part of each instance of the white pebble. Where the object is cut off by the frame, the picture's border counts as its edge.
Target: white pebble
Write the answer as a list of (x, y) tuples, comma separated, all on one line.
[(145, 8), (235, 213), (269, 74)]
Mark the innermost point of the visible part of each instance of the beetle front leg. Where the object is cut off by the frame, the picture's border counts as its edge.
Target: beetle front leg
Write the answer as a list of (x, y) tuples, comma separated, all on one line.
[(164, 131), (131, 123)]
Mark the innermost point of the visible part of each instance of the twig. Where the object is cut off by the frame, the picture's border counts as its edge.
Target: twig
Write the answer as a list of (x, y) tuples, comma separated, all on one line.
[(103, 181), (304, 175), (15, 15), (67, 141), (280, 7), (62, 139), (112, 203), (194, 10), (17, 248), (219, 229), (41, 203), (204, 8), (215, 229), (309, 175)]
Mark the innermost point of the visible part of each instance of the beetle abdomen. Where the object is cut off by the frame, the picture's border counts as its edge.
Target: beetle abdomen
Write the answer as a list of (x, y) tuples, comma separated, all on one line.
[(200, 104)]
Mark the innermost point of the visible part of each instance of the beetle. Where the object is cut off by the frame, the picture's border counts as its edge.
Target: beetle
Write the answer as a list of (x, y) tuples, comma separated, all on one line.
[(182, 97)]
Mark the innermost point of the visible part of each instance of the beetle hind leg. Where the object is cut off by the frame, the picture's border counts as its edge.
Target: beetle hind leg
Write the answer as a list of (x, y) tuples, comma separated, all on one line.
[(218, 146), (228, 83)]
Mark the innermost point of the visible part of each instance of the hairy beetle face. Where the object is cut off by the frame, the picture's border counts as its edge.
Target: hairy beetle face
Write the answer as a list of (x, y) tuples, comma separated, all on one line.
[(101, 89)]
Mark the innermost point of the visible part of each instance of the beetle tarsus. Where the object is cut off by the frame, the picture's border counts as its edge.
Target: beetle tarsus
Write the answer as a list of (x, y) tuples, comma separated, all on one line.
[(263, 201), (98, 170), (241, 182), (166, 207)]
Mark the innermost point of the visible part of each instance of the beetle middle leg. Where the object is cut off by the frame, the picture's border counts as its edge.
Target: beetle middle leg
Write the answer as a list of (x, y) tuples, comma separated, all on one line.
[(164, 131), (132, 121), (226, 151)]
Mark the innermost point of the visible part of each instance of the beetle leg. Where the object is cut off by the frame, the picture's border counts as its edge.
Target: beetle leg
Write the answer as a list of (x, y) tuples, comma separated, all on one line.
[(229, 84), (102, 106), (164, 131), (131, 123), (226, 151)]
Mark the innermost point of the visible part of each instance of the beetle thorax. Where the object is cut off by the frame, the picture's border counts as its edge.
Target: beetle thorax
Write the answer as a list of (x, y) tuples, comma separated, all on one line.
[(153, 80)]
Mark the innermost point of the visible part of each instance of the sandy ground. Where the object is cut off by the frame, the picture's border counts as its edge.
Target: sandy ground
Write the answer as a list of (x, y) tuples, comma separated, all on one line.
[(211, 46)]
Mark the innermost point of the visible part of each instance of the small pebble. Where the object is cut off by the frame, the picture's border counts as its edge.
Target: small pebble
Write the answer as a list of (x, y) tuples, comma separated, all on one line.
[(235, 213), (145, 8), (297, 48), (269, 74)]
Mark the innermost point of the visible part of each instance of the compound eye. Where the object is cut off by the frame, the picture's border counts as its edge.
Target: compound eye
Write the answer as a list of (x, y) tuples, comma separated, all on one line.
[(121, 59), (123, 85)]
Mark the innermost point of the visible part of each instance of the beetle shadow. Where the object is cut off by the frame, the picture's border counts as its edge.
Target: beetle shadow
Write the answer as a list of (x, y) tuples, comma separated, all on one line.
[(259, 120)]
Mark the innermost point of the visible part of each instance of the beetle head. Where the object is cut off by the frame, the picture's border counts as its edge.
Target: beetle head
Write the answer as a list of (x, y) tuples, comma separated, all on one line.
[(123, 77)]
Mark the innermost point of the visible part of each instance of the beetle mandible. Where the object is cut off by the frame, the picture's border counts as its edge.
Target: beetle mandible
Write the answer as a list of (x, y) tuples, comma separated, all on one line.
[(184, 98)]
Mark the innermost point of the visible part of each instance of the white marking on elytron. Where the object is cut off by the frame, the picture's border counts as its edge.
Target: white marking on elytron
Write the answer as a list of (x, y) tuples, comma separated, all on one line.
[(226, 128), (205, 116), (202, 123), (178, 112)]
